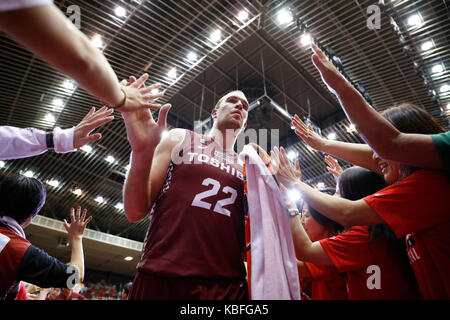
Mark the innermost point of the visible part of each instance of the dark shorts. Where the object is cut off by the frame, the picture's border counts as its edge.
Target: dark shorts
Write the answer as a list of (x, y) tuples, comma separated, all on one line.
[(151, 287)]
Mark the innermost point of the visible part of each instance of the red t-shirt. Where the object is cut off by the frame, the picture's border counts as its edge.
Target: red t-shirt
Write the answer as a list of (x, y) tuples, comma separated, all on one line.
[(373, 273), (327, 283), (418, 207)]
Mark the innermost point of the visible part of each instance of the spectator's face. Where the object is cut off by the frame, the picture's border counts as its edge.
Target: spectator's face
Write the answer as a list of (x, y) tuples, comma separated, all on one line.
[(314, 229), (389, 169)]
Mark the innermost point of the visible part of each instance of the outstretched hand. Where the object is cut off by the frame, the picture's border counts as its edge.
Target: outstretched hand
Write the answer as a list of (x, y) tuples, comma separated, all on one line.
[(138, 95), (307, 133), (93, 120), (143, 132), (334, 80), (333, 166), (285, 172), (77, 224)]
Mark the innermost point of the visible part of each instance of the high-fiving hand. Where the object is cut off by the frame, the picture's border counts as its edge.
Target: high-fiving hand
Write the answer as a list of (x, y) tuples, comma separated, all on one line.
[(143, 132), (77, 224), (284, 171), (93, 120)]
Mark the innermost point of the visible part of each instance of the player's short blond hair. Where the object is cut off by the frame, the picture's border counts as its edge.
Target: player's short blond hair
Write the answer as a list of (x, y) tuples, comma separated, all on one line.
[(217, 106)]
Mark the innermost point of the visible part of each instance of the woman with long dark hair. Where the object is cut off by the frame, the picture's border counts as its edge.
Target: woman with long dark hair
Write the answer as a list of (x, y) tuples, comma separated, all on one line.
[(414, 206), (375, 267)]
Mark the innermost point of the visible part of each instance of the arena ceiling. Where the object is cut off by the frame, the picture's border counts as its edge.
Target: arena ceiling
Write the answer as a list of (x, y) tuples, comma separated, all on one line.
[(257, 53)]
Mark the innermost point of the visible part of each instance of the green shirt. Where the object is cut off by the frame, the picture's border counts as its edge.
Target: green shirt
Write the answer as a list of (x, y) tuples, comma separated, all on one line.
[(442, 142)]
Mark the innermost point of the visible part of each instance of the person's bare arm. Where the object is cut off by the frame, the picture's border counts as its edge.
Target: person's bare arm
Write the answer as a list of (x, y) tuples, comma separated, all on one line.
[(305, 249), (75, 231), (146, 176), (389, 143), (45, 31), (345, 212), (303, 272), (356, 153)]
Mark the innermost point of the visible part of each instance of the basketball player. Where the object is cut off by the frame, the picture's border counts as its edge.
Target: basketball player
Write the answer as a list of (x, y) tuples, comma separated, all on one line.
[(192, 185)]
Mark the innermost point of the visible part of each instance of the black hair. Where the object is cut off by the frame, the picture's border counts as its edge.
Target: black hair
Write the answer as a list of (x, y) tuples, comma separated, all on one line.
[(408, 118), (21, 197), (321, 219), (356, 183)]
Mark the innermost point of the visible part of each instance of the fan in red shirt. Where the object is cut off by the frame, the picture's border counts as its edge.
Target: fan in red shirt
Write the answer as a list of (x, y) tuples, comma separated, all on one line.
[(356, 252), (415, 205)]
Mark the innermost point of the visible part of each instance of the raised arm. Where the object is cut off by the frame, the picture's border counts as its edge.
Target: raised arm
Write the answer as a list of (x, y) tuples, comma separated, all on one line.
[(21, 143), (45, 31), (355, 153), (389, 143), (345, 212), (75, 231)]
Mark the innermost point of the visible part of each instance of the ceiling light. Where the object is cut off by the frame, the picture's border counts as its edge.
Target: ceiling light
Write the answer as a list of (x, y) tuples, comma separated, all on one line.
[(110, 159), (292, 155), (444, 88), (100, 200), (437, 68), (243, 15), (294, 195), (29, 174), (58, 104), (284, 16), (119, 206), (97, 41), (305, 39), (50, 118), (78, 192), (53, 183), (351, 128), (69, 85), (414, 20), (172, 73), (128, 258), (86, 148), (426, 45), (192, 56), (215, 36), (120, 12), (332, 136), (2, 164), (320, 185)]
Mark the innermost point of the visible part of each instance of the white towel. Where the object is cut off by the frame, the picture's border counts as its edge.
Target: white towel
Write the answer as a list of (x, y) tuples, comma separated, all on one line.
[(274, 274)]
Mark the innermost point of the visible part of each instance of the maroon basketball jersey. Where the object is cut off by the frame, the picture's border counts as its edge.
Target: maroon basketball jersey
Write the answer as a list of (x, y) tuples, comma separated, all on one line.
[(197, 221)]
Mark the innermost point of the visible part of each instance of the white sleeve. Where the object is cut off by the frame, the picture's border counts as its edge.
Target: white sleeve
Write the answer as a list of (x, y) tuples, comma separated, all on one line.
[(63, 140), (18, 143)]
